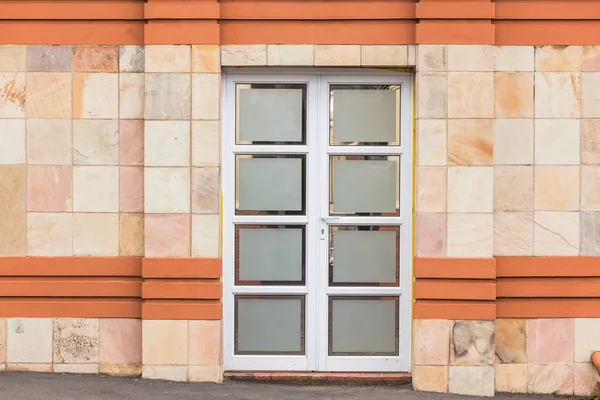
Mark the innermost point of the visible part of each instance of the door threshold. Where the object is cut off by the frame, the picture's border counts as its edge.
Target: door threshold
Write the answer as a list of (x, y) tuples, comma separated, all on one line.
[(322, 378)]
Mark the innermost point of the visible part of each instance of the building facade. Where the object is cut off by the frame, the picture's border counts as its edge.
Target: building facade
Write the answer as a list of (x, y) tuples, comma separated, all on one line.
[(191, 189)]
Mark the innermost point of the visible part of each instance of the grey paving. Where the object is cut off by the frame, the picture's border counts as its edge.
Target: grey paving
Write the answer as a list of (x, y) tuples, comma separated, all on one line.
[(36, 386)]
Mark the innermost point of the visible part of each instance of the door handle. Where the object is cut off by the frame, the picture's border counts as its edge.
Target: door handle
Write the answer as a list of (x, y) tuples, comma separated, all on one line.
[(329, 219)]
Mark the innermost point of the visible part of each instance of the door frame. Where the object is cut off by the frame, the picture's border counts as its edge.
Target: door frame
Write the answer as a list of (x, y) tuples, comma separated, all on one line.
[(316, 154)]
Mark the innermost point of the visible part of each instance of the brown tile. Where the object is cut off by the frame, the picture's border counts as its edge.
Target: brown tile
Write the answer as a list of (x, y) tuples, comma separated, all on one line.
[(95, 59), (262, 376), (509, 341), (132, 235), (280, 376), (49, 58), (337, 376), (13, 224)]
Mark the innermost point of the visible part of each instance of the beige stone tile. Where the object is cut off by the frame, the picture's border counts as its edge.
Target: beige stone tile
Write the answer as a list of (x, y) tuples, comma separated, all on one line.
[(13, 93), (13, 58), (204, 343), (590, 96), (95, 142), (431, 341), (513, 234), (385, 55), (337, 55), (590, 234), (510, 341), (290, 55), (472, 343), (513, 93), (29, 340), (430, 379), (206, 189), (131, 96), (556, 188), (165, 342), (471, 381), (431, 189), (131, 142), (206, 58), (75, 368), (131, 58), (431, 142), (2, 341), (590, 61), (167, 144), (470, 95), (432, 58), (49, 141), (76, 341), (585, 379), (167, 235), (430, 235), (513, 58), (205, 236), (432, 95), (556, 234), (168, 96), (96, 234), (513, 141), (165, 372), (206, 143), (49, 188), (48, 95), (167, 190), (470, 141), (120, 341), (131, 232), (243, 55), (558, 58), (470, 189), (557, 141), (586, 338), (513, 188), (412, 55), (206, 96), (510, 378), (590, 188), (168, 58), (13, 202), (129, 370), (49, 234), (557, 95), (96, 189), (470, 235), (29, 367), (95, 95), (205, 374), (470, 58), (590, 141), (12, 141), (554, 379)]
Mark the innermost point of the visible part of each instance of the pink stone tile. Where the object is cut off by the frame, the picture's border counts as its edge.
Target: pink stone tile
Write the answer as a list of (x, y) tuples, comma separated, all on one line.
[(205, 190), (584, 379), (120, 341), (49, 188), (131, 189), (49, 58), (550, 340), (431, 235), (95, 59), (431, 342), (204, 342), (131, 142), (550, 378), (167, 235)]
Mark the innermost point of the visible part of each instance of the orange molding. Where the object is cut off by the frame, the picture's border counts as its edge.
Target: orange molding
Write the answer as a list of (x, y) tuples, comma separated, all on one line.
[(463, 310), (446, 289), (455, 268)]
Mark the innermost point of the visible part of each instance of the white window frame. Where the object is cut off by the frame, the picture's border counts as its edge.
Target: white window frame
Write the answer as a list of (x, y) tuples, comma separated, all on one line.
[(317, 150)]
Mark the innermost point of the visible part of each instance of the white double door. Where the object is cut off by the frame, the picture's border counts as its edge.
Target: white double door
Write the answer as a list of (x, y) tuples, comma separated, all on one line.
[(316, 177)]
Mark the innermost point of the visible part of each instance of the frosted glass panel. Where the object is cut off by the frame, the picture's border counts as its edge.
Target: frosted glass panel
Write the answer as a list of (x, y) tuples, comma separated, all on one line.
[(363, 327), (366, 116), (269, 325), (270, 115), (366, 186), (271, 184), (271, 254), (365, 256)]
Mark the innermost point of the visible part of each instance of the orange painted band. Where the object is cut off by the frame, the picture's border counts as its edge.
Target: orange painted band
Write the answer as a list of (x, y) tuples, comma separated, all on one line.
[(463, 310), (446, 289), (182, 309)]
